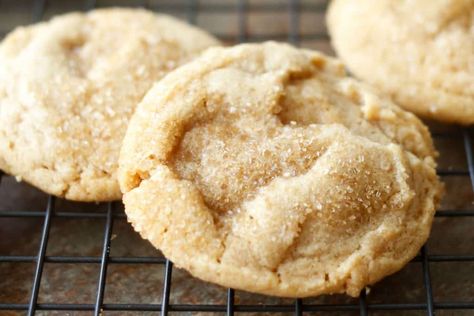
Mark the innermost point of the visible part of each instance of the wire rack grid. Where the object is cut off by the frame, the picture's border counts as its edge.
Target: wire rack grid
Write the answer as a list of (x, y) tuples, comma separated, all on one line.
[(113, 211)]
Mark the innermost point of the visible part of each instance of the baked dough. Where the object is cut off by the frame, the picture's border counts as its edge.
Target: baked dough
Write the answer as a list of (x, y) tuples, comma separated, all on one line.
[(420, 52), (266, 168), (69, 86)]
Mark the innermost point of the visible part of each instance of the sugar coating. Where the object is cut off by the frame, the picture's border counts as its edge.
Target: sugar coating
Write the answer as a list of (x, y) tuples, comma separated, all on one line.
[(421, 52), (259, 167), (69, 86)]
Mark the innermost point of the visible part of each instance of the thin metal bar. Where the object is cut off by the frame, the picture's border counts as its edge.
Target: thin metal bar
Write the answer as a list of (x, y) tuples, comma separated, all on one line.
[(93, 260), (90, 4), (298, 307), (230, 302), (239, 308), (40, 257), (363, 303), (427, 282), (83, 215), (445, 173), (159, 260), (38, 9), (192, 11), (104, 259), (450, 258), (13, 306), (469, 155), (137, 260), (454, 213), (166, 288), (22, 214), (294, 22), (454, 305), (242, 15)]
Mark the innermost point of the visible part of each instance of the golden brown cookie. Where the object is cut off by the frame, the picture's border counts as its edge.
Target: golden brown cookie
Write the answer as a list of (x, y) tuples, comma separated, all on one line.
[(420, 52), (69, 86), (265, 168)]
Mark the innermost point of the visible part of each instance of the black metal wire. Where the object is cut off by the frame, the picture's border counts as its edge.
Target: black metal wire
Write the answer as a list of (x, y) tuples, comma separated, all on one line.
[(298, 307), (77, 215), (69, 259), (192, 11), (230, 302), (363, 303), (104, 259), (242, 308), (469, 155), (294, 23), (166, 288), (40, 258), (38, 9), (159, 260), (454, 213), (241, 8), (427, 281), (90, 4)]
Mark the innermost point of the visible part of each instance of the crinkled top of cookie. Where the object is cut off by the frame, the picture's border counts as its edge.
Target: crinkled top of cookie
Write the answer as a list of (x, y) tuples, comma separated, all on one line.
[(68, 87), (264, 167), (421, 52)]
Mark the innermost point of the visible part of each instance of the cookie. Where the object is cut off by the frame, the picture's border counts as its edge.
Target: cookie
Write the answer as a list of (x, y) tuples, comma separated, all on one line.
[(69, 86), (266, 168), (420, 52)]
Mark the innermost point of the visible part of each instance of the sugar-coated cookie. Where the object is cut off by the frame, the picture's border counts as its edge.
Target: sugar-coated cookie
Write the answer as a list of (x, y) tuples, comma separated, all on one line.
[(69, 86), (420, 52), (266, 168)]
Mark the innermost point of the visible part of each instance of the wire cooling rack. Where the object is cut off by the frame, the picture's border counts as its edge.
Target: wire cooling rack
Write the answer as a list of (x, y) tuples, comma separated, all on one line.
[(300, 22)]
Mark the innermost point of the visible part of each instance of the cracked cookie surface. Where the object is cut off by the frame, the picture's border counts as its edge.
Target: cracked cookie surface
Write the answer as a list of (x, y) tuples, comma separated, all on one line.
[(420, 52), (69, 86), (265, 168)]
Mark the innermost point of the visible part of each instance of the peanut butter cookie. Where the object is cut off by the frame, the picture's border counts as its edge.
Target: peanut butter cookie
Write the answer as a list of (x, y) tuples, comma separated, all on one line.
[(69, 86), (420, 52), (265, 168)]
